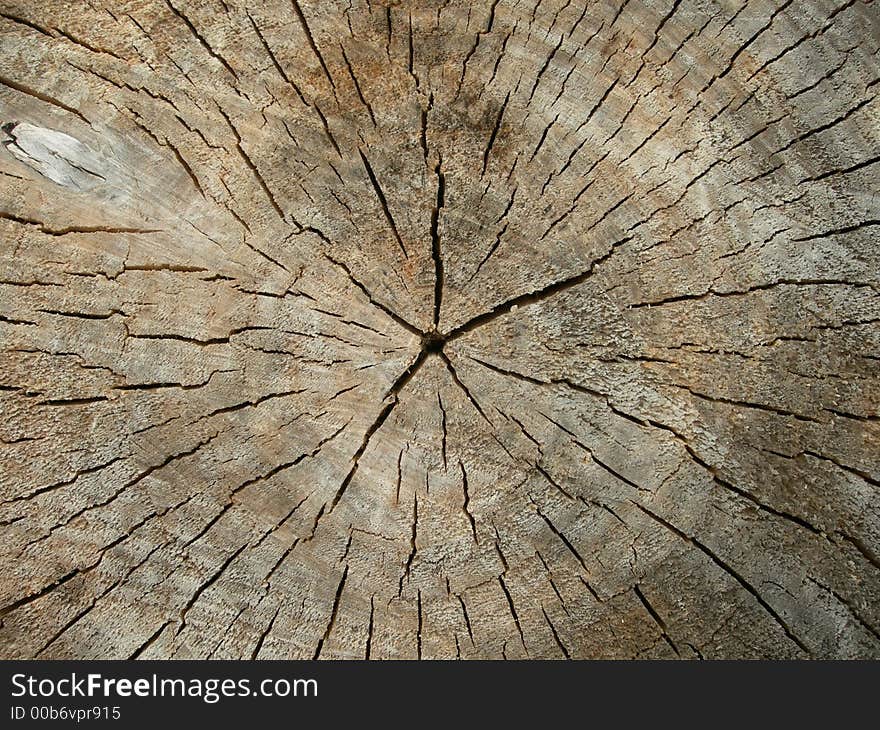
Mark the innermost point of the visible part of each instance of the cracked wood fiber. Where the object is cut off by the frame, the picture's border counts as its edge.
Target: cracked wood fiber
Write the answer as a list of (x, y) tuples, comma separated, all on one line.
[(439, 329)]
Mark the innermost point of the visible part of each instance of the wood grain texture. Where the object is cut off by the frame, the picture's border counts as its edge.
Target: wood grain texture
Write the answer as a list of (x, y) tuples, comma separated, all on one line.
[(439, 329)]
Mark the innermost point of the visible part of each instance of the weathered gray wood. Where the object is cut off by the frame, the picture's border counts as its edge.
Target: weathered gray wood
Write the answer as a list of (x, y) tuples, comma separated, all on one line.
[(439, 329)]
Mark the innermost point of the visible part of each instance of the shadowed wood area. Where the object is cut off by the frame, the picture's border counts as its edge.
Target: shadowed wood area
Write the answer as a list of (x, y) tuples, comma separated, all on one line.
[(371, 329)]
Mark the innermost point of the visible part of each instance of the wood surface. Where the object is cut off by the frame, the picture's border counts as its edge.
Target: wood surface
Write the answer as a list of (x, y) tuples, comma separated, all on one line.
[(370, 329)]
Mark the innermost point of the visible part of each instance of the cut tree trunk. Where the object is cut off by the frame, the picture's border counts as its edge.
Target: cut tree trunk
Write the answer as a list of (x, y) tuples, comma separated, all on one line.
[(439, 329)]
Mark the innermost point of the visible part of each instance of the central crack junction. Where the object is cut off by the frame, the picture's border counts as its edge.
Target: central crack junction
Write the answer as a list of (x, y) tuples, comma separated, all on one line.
[(432, 342)]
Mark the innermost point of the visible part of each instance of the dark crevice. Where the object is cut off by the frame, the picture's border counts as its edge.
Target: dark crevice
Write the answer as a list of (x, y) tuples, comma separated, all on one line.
[(63, 483), (25, 22), (207, 584), (467, 500), (661, 624), (399, 477), (387, 310), (552, 582), (375, 426), (467, 619), (391, 400), (259, 645), (532, 297), (370, 629), (443, 427), (45, 98), (413, 540), (464, 388), (432, 342), (149, 642), (357, 86), (420, 625), (571, 549), (436, 252), (312, 44), (202, 40), (494, 134), (333, 613), (38, 594), (555, 635), (513, 612), (727, 568), (44, 228), (275, 62), (264, 186), (326, 125), (383, 202)]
